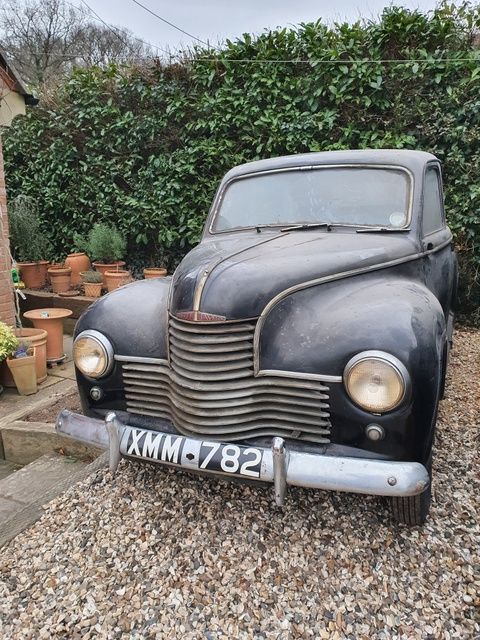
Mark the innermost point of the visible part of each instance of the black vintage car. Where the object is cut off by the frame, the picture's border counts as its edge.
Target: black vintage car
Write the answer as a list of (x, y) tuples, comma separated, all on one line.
[(303, 342)]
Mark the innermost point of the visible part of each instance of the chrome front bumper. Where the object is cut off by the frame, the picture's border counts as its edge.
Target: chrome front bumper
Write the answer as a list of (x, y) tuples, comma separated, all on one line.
[(280, 465)]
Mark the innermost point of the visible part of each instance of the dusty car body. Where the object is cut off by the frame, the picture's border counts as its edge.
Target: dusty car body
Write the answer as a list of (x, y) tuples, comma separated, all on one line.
[(304, 341)]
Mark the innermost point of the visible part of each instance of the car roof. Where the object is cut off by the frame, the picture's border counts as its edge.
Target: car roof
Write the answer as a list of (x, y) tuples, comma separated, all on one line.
[(413, 160)]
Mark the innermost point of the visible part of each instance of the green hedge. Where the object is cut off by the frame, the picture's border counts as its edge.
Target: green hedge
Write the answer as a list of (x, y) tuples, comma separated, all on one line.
[(145, 147)]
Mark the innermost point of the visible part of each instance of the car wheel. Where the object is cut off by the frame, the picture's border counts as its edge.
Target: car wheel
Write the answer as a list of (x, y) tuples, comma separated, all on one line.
[(413, 510)]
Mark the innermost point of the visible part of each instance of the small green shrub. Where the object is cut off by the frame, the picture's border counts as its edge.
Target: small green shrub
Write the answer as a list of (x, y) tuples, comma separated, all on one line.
[(29, 243), (8, 341), (105, 243), (91, 277)]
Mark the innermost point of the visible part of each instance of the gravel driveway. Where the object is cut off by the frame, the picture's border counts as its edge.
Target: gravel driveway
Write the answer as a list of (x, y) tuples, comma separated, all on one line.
[(161, 554)]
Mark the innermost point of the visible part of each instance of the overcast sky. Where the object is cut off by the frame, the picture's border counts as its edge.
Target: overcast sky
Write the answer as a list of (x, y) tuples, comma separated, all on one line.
[(214, 20)]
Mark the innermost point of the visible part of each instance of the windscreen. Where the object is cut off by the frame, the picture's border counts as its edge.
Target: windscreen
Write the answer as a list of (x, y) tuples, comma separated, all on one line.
[(338, 195)]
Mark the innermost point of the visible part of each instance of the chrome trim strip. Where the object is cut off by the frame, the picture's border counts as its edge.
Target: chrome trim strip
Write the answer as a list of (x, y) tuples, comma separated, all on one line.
[(297, 468), (161, 361), (324, 279), (299, 375), (315, 167)]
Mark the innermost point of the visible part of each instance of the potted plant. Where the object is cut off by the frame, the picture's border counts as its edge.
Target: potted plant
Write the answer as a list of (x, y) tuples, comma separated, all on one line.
[(92, 283), (22, 368), (37, 339), (106, 246), (30, 245), (78, 260), (8, 341)]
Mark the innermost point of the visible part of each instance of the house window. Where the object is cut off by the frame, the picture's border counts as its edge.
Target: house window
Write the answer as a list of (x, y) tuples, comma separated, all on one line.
[(432, 202)]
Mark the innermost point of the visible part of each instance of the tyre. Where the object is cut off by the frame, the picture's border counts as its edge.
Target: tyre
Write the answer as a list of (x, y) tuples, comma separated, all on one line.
[(413, 510)]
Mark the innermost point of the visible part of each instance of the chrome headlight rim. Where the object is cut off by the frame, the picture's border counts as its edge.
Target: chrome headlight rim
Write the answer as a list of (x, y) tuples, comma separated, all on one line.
[(385, 358), (104, 344)]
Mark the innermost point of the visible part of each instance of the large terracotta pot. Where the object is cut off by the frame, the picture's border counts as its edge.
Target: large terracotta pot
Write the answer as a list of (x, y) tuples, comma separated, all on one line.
[(77, 262), (33, 274), (115, 279), (108, 266), (51, 321), (154, 272), (23, 372), (60, 278)]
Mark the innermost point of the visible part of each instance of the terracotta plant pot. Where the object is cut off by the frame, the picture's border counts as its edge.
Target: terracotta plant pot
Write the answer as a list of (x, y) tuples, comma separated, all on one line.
[(77, 262), (92, 289), (33, 274), (60, 278), (108, 266), (24, 374), (154, 272), (37, 340), (53, 265), (51, 320), (115, 279)]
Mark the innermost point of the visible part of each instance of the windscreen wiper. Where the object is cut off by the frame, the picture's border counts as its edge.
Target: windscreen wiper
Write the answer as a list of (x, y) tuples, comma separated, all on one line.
[(312, 225), (384, 230)]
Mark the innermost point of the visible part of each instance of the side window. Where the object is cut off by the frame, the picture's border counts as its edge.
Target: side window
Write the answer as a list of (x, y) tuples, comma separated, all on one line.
[(432, 202)]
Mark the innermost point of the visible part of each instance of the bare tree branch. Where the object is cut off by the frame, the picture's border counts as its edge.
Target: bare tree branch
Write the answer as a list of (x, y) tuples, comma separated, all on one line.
[(46, 39)]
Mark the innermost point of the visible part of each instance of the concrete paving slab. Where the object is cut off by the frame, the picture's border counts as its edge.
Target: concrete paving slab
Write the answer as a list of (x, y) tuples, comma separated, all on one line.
[(14, 406), (11, 401), (26, 484), (6, 468), (23, 494), (24, 442), (64, 370)]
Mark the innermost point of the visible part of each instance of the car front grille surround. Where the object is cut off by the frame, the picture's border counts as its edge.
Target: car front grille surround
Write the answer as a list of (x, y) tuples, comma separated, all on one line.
[(208, 388)]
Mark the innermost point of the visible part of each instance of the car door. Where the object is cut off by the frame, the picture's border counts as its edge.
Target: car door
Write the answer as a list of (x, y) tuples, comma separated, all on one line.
[(440, 261)]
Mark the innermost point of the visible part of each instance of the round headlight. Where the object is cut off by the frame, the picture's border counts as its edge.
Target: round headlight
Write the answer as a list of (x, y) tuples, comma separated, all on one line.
[(376, 381), (93, 354)]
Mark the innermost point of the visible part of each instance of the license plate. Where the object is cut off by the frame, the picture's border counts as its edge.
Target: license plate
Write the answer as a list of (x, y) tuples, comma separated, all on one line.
[(230, 458), (193, 454)]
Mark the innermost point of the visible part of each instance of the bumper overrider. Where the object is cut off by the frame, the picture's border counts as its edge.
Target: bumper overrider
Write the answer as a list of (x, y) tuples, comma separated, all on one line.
[(276, 464)]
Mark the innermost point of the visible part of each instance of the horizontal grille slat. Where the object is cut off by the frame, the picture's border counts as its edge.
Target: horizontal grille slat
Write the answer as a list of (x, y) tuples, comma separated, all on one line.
[(212, 339), (195, 356), (201, 401), (226, 347), (257, 408), (208, 388), (211, 327), (215, 367)]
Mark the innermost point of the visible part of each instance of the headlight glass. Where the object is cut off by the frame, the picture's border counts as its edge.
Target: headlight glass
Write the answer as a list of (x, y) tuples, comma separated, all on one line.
[(376, 382), (93, 354)]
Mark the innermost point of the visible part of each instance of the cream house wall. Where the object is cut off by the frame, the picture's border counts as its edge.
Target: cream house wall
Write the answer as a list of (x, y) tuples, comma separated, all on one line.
[(11, 104)]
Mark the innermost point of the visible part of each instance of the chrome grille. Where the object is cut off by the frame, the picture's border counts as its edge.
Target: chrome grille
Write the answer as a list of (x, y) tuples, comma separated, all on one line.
[(209, 388)]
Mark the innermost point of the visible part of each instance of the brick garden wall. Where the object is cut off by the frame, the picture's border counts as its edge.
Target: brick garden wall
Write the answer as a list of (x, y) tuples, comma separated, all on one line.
[(7, 313)]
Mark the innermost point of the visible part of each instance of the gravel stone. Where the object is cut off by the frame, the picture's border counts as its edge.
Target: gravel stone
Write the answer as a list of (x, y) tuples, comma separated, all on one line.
[(156, 553)]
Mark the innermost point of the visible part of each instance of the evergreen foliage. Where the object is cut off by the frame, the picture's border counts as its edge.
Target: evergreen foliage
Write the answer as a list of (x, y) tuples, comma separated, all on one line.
[(143, 148)]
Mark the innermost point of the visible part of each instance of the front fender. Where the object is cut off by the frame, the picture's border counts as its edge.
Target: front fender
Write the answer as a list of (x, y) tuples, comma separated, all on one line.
[(134, 318), (318, 329)]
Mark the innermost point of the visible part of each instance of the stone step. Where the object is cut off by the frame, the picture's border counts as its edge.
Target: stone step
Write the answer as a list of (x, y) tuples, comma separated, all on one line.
[(24, 492), (24, 442), (6, 468)]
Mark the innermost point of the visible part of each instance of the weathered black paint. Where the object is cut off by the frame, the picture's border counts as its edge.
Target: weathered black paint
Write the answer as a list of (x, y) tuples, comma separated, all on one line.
[(395, 295)]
